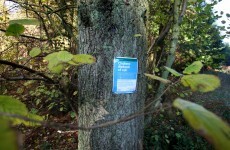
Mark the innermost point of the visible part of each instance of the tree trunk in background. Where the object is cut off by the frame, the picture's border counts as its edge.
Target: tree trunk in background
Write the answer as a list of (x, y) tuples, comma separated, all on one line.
[(172, 51), (106, 30)]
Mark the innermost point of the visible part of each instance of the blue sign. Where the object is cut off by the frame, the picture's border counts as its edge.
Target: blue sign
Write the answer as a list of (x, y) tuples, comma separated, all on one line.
[(124, 75)]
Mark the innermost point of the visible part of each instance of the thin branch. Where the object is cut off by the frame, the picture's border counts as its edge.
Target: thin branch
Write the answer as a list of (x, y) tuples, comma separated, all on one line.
[(31, 8), (43, 25), (8, 48), (21, 3), (167, 28), (162, 35), (46, 78), (68, 126), (27, 36), (21, 78), (63, 8), (183, 10), (159, 97), (27, 69)]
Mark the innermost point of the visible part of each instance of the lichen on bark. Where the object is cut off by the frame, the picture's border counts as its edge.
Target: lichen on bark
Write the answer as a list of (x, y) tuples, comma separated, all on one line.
[(110, 34)]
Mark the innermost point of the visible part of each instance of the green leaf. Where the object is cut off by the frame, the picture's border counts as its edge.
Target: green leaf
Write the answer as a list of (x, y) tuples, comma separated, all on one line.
[(156, 69), (137, 35), (7, 137), (157, 78), (72, 63), (30, 21), (56, 69), (64, 56), (174, 72), (83, 59), (205, 123), (201, 82), (34, 117), (182, 95), (35, 52), (72, 114), (52, 59), (13, 106), (195, 67), (20, 90), (15, 30), (178, 135)]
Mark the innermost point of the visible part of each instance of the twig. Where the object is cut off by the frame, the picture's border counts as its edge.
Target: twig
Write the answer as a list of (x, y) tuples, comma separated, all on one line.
[(183, 10), (27, 69), (68, 126), (27, 36), (21, 78), (162, 35)]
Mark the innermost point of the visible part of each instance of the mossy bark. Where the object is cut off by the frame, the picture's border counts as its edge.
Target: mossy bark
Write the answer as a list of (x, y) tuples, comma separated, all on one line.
[(106, 30)]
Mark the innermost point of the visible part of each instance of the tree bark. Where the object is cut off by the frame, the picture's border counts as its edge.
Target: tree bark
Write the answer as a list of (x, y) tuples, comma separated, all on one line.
[(106, 30)]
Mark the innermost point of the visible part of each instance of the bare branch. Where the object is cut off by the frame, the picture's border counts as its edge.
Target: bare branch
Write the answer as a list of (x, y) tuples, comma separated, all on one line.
[(183, 10), (27, 36), (68, 126), (21, 78), (28, 69), (162, 35)]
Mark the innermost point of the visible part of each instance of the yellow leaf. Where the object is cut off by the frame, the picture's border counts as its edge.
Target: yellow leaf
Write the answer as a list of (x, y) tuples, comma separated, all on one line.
[(195, 67), (201, 82), (84, 59), (13, 106), (205, 123)]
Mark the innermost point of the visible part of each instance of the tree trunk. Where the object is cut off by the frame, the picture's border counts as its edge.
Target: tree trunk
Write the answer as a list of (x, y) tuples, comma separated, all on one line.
[(106, 30), (177, 19)]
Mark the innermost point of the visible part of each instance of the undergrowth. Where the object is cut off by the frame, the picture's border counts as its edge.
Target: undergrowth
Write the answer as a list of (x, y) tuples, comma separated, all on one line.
[(169, 130)]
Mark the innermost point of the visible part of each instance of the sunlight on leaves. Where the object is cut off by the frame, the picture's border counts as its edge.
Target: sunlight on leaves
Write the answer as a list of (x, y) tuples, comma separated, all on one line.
[(58, 60), (83, 59), (29, 21), (32, 116), (172, 71), (56, 69), (205, 123), (15, 30), (201, 82), (64, 56), (195, 67), (35, 52), (52, 59)]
